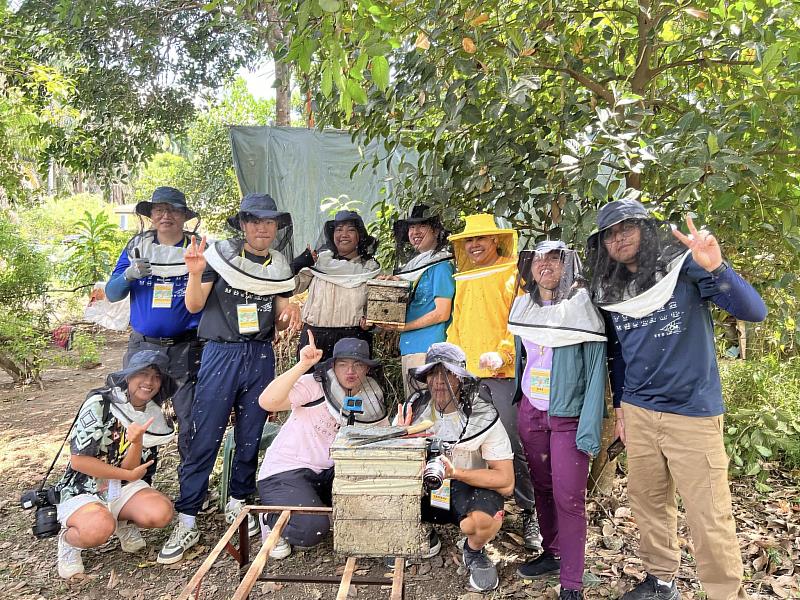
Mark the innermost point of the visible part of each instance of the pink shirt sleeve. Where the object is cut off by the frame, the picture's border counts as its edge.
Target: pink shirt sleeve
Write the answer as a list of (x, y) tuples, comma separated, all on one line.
[(307, 389)]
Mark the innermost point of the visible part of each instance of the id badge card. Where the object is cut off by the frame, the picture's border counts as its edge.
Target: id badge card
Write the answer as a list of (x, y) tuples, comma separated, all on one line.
[(440, 498), (114, 489), (247, 315), (162, 294), (540, 384)]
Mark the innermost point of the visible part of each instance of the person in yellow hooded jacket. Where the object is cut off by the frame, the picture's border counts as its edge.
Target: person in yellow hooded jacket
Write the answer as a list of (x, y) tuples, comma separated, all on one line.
[(486, 272)]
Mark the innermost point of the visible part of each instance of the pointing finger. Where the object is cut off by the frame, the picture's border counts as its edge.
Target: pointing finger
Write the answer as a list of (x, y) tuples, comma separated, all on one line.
[(311, 339), (149, 422), (688, 242), (690, 225), (202, 245)]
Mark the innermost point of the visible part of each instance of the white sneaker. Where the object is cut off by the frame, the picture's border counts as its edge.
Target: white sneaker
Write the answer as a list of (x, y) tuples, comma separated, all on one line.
[(232, 510), (130, 539), (181, 539), (69, 558), (281, 549)]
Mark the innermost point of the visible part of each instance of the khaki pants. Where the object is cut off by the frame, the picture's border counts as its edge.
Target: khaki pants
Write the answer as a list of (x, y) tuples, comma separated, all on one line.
[(666, 451), (409, 361)]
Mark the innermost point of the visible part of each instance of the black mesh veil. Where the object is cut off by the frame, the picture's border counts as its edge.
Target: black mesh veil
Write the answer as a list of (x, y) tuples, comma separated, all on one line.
[(404, 251), (541, 259), (283, 237)]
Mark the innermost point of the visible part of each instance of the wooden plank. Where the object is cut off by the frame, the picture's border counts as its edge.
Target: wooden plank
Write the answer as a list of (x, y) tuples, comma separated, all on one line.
[(344, 587), (397, 578), (250, 578), (195, 581)]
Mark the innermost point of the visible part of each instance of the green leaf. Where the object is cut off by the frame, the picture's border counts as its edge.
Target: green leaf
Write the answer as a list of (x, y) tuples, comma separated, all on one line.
[(772, 57), (380, 72), (330, 5), (713, 145), (302, 14), (356, 92), (763, 451), (327, 80), (688, 175)]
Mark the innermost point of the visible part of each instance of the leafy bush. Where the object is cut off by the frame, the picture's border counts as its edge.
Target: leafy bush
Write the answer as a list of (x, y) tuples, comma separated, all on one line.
[(762, 425), (163, 169), (93, 249), (87, 349)]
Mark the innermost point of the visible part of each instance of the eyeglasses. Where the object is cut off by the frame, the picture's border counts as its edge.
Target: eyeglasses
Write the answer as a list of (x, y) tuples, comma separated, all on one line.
[(160, 211), (620, 231)]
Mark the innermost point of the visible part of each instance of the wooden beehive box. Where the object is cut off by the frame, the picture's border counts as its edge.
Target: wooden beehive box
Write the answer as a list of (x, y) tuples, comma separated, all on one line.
[(377, 491), (387, 301)]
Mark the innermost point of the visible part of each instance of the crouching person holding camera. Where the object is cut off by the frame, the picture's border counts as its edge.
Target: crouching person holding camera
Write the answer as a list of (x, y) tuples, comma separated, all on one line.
[(471, 467), (114, 445)]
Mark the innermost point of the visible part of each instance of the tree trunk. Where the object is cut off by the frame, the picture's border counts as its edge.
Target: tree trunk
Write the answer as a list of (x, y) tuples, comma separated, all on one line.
[(283, 96), (601, 476)]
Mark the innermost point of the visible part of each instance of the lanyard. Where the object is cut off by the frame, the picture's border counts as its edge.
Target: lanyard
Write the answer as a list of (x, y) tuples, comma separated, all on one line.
[(267, 260)]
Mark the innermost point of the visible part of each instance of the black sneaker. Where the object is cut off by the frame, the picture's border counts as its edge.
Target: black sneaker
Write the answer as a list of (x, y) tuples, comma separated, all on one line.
[(531, 535), (565, 594), (544, 565), (482, 572), (650, 589)]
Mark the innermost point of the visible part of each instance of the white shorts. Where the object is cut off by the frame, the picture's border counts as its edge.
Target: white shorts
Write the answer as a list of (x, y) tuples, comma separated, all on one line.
[(68, 507)]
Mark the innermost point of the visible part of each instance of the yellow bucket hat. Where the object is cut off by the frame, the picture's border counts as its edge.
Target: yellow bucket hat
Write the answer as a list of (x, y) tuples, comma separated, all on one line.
[(483, 224)]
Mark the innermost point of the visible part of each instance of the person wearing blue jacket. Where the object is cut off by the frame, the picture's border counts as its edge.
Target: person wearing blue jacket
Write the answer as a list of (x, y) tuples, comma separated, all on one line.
[(151, 271), (655, 286), (561, 380)]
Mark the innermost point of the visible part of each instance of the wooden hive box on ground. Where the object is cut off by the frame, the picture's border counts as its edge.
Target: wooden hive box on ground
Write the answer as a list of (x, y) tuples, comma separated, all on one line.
[(377, 491), (387, 301)]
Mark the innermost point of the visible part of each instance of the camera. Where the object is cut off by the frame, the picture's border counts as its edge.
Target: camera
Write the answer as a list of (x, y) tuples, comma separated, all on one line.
[(433, 473), (45, 520)]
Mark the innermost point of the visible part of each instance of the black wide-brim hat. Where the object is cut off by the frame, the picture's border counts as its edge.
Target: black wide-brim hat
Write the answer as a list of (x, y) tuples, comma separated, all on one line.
[(261, 206), (165, 195), (617, 212), (365, 240), (142, 360), (420, 213)]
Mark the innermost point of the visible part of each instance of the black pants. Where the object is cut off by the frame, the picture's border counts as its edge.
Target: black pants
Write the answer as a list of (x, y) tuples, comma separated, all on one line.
[(325, 338), (464, 499), (300, 487)]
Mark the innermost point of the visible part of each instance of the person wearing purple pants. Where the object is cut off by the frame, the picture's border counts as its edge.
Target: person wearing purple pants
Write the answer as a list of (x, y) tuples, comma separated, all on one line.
[(561, 379)]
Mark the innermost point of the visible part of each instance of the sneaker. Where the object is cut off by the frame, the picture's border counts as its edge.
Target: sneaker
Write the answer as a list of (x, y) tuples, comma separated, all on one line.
[(181, 539), (130, 539), (650, 589), (281, 549), (530, 531), (232, 511), (482, 572), (69, 558), (542, 566), (565, 594)]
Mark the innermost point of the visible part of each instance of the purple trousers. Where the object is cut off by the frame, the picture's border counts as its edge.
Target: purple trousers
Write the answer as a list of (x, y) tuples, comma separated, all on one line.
[(559, 472)]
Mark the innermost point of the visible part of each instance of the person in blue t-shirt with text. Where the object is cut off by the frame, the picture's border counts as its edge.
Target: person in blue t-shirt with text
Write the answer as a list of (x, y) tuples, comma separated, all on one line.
[(152, 271), (427, 263), (655, 285)]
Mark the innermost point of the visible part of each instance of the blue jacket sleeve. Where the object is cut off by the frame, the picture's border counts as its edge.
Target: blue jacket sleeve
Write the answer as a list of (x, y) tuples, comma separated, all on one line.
[(118, 287), (590, 422), (616, 363), (729, 291)]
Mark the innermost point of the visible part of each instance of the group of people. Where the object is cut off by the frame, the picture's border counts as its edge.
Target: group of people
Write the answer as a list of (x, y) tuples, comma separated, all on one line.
[(507, 352)]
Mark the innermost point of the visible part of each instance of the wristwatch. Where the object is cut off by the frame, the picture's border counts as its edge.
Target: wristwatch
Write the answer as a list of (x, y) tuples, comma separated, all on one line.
[(720, 269)]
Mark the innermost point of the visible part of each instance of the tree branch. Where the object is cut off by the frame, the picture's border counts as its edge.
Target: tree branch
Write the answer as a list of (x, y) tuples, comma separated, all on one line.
[(585, 80), (698, 61)]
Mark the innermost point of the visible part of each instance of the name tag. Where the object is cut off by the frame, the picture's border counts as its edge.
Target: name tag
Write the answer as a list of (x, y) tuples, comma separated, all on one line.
[(247, 315), (540, 384), (162, 294), (441, 498)]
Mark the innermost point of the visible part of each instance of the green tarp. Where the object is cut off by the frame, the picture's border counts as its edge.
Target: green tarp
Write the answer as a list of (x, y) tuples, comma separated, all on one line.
[(300, 167)]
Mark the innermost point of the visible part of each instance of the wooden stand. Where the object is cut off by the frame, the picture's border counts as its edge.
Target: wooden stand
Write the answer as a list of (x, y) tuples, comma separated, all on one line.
[(250, 572)]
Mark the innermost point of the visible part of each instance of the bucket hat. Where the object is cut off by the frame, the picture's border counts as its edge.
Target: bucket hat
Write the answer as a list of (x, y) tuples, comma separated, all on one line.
[(450, 356), (616, 212), (355, 349), (141, 361), (261, 206), (366, 243), (420, 213), (165, 195)]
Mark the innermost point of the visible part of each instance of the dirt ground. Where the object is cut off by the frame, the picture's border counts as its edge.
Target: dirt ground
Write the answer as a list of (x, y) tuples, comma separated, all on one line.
[(33, 422)]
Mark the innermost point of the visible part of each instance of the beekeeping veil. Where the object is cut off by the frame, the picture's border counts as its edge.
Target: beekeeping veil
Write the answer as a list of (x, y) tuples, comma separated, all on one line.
[(474, 408), (370, 390), (566, 319), (478, 226), (659, 258), (227, 257), (340, 271), (166, 261), (412, 264)]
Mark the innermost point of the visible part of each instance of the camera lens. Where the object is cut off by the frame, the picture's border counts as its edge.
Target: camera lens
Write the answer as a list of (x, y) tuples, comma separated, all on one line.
[(433, 475)]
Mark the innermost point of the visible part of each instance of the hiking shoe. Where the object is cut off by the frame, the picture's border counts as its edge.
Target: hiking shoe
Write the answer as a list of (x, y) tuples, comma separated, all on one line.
[(281, 549), (69, 558), (232, 510), (130, 539), (565, 594), (482, 572), (650, 589), (181, 539), (530, 531), (542, 566)]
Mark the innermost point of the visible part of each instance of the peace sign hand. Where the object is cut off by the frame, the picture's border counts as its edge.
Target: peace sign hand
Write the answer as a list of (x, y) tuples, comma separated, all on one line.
[(310, 354), (704, 246), (194, 258)]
